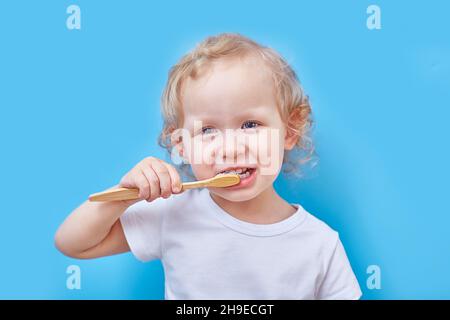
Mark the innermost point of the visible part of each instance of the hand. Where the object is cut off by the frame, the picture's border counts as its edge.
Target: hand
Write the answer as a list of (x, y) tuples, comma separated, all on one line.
[(154, 178)]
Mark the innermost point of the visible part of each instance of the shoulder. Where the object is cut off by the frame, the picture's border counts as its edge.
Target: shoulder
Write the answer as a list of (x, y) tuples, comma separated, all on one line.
[(319, 232), (316, 225)]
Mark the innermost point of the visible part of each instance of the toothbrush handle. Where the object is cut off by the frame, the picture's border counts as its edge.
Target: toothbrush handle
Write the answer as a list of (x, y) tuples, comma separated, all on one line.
[(219, 181), (115, 194), (132, 194), (193, 185)]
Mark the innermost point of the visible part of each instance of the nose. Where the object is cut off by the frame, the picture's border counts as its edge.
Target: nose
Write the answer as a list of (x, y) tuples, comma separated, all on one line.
[(232, 149)]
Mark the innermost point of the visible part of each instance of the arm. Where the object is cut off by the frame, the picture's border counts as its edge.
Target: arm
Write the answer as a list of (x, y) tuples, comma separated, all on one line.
[(94, 230)]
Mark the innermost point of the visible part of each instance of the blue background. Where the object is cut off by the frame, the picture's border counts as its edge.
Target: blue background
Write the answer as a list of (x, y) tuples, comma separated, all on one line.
[(81, 107)]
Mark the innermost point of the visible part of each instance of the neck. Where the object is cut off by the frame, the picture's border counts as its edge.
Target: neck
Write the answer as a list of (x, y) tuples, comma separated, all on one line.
[(268, 207)]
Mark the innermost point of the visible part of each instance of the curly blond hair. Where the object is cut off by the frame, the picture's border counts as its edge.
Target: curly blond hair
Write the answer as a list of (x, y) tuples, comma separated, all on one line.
[(292, 103)]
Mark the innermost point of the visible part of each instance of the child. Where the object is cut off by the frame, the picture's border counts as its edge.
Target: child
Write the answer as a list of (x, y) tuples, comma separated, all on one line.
[(239, 242)]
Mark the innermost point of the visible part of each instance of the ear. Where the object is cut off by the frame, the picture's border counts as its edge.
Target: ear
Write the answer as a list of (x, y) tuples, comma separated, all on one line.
[(293, 129), (176, 140)]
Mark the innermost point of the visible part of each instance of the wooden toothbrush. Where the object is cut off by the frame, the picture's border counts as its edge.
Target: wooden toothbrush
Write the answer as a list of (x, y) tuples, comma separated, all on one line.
[(219, 181)]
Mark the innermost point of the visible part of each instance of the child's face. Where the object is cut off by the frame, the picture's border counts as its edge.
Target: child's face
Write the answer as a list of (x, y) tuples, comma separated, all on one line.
[(231, 114)]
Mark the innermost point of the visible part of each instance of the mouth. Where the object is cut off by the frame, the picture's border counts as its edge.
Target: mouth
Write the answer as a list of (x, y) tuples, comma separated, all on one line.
[(242, 172), (247, 176)]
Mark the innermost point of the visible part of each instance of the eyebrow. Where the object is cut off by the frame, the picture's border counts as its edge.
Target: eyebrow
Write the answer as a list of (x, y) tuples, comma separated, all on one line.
[(255, 112)]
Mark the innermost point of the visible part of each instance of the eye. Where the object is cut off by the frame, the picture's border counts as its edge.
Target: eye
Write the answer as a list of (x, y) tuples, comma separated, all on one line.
[(250, 124), (207, 130)]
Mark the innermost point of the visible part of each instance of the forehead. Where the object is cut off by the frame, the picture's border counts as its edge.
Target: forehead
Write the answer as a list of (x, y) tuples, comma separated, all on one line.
[(229, 87)]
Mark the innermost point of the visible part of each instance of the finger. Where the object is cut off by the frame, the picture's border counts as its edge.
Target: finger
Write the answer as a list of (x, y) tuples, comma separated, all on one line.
[(125, 182), (174, 178), (143, 185), (153, 180), (164, 178)]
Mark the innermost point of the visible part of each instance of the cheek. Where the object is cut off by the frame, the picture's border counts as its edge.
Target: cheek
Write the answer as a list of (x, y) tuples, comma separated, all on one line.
[(202, 160), (201, 151), (270, 151), (201, 171)]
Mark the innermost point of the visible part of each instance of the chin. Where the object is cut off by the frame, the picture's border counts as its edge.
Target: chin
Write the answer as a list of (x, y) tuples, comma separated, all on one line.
[(238, 195)]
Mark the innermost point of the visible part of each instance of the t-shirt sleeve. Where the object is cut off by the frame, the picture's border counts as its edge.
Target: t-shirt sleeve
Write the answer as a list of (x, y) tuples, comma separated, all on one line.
[(339, 282), (142, 226)]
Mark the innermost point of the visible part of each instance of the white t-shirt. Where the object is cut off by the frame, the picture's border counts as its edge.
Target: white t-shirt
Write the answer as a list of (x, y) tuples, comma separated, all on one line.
[(208, 254)]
